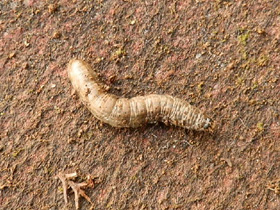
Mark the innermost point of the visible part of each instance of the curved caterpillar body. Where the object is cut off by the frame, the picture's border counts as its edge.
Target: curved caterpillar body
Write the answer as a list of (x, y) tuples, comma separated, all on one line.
[(133, 112)]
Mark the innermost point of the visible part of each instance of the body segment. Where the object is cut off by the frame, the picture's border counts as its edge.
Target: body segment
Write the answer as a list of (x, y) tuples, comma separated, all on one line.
[(133, 112)]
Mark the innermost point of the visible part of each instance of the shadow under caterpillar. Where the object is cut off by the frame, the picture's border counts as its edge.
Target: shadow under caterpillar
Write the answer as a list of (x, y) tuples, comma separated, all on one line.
[(136, 111)]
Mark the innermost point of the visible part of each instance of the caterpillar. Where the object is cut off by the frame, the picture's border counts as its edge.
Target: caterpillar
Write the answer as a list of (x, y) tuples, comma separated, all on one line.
[(132, 112)]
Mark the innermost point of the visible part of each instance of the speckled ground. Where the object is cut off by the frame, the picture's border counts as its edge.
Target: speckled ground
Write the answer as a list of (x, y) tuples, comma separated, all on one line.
[(222, 56)]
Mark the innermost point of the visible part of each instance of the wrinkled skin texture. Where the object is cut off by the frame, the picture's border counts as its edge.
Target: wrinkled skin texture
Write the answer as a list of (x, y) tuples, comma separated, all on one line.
[(136, 111)]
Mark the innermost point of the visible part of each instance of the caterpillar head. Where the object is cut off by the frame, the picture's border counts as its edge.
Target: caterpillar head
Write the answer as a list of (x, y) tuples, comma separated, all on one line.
[(208, 125)]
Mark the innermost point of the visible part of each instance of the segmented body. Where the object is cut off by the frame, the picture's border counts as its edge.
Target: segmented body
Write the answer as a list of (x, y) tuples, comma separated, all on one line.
[(133, 112)]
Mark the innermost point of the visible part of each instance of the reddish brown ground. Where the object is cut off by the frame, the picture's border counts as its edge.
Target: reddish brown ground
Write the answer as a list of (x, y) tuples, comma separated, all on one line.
[(222, 56)]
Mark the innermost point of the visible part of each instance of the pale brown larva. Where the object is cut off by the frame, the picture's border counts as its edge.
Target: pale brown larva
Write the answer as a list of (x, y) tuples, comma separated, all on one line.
[(136, 111)]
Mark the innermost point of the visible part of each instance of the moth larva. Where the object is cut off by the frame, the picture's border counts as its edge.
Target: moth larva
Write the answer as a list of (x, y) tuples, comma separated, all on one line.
[(133, 112)]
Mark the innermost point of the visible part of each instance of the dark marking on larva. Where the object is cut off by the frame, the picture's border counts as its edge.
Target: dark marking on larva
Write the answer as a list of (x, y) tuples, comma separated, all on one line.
[(136, 111)]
